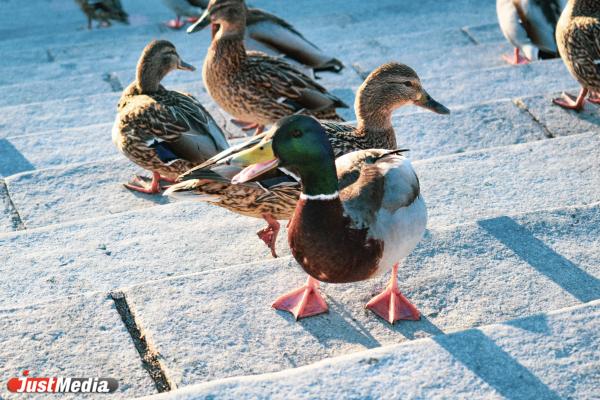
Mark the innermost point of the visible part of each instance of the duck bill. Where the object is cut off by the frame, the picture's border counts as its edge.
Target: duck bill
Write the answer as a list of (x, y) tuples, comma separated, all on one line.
[(429, 103), (254, 171), (202, 22), (258, 160), (259, 153), (185, 66)]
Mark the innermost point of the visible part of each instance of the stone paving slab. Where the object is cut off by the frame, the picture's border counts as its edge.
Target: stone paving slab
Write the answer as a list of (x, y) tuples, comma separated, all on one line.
[(432, 63), (67, 113), (559, 121), (457, 188), (547, 356), (130, 248), (55, 89), (56, 148), (493, 124), (524, 177), (219, 324), (486, 33), (508, 81), (80, 191), (71, 337)]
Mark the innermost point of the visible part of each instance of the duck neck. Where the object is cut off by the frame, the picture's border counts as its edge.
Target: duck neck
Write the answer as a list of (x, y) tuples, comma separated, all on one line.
[(319, 182), (228, 44), (148, 77), (375, 122)]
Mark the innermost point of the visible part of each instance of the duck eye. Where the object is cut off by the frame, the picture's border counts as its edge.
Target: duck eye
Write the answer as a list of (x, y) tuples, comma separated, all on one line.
[(296, 133), (407, 83)]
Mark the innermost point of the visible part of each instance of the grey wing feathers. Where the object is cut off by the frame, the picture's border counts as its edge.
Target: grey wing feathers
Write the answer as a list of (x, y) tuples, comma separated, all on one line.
[(374, 179)]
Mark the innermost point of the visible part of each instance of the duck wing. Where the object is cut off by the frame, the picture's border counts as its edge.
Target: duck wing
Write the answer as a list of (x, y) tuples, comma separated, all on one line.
[(295, 90), (372, 180), (175, 124), (283, 38)]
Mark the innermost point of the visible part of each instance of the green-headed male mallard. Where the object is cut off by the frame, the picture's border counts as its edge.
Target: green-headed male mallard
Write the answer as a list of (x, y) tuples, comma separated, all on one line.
[(103, 11), (256, 89), (357, 217), (163, 131), (387, 88), (529, 25), (578, 38)]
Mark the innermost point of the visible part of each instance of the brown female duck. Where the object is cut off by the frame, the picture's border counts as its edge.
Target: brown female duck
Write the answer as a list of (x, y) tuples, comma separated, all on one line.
[(265, 32), (163, 131), (357, 217), (256, 89), (387, 88), (578, 38)]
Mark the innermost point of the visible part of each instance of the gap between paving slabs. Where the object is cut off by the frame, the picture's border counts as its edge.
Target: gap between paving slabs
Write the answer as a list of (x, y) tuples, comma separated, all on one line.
[(143, 344)]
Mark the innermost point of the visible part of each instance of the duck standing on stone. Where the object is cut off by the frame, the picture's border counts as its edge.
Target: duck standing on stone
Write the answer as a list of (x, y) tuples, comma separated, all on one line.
[(163, 131), (387, 88), (256, 89), (529, 25), (578, 38), (357, 217), (103, 11)]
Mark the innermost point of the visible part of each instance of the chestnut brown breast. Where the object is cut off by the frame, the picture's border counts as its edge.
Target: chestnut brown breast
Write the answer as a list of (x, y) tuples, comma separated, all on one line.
[(326, 248)]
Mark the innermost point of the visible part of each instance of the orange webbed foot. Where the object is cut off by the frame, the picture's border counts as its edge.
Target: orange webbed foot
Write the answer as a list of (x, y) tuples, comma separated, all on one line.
[(303, 302), (391, 305)]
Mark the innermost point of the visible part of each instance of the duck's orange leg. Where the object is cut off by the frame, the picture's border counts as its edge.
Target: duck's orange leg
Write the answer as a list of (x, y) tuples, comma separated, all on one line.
[(138, 184), (303, 302), (269, 234), (571, 102), (391, 305), (515, 58)]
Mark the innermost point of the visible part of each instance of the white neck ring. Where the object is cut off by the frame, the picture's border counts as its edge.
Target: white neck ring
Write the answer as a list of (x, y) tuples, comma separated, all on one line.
[(331, 196)]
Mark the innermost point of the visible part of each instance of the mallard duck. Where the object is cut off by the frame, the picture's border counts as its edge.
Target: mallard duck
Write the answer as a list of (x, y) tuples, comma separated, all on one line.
[(256, 89), (163, 131), (578, 38), (357, 217), (192, 9), (103, 11), (387, 88), (529, 25), (265, 32)]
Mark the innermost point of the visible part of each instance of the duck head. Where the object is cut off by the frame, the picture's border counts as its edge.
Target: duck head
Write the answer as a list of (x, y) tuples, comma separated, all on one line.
[(299, 145), (387, 88), (158, 59), (226, 16)]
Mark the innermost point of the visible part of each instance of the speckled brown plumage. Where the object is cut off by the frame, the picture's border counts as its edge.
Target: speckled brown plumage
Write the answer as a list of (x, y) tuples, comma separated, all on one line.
[(322, 241), (161, 130), (578, 38), (252, 86)]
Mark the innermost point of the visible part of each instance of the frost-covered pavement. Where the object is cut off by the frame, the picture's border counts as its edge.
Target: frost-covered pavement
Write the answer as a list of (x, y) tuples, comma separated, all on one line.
[(507, 277)]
